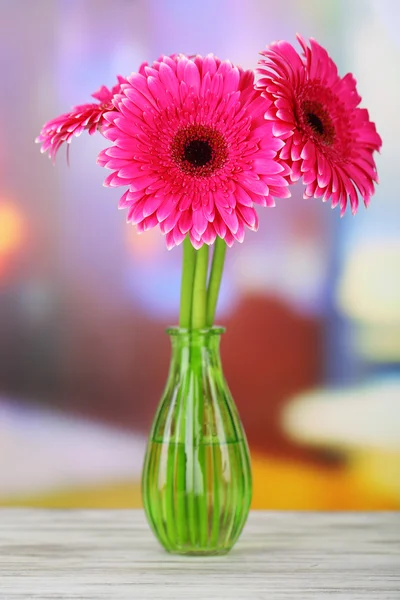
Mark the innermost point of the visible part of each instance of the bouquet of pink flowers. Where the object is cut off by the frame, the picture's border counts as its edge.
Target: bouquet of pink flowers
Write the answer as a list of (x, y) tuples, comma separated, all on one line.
[(198, 143)]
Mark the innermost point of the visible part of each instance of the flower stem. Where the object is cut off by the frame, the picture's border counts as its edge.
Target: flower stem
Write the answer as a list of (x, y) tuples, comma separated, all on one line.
[(215, 279), (188, 269), (199, 304)]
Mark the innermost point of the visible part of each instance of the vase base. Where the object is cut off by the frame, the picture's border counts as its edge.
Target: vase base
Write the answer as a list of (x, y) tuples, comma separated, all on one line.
[(216, 552)]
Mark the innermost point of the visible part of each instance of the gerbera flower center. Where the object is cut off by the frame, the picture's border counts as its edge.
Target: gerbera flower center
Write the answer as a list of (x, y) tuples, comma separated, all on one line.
[(317, 119), (315, 122), (199, 150)]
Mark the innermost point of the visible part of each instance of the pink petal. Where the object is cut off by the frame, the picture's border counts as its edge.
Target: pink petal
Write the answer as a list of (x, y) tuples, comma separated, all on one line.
[(267, 167), (230, 219), (185, 222), (200, 222), (192, 76)]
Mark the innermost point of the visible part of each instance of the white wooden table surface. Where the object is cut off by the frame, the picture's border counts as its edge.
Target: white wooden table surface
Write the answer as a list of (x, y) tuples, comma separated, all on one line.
[(112, 555)]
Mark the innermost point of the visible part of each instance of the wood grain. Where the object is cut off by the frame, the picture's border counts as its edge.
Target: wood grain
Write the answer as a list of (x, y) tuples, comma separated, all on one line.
[(112, 555)]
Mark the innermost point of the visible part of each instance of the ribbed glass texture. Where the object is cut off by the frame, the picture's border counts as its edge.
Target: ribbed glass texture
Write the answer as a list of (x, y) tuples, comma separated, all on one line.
[(197, 477)]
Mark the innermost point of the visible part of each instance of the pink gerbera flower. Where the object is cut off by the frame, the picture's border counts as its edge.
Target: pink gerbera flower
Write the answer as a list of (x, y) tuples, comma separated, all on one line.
[(85, 116), (191, 142), (329, 141)]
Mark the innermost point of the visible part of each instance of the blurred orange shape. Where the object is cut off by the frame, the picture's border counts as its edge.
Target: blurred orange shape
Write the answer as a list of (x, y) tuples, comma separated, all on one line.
[(11, 228)]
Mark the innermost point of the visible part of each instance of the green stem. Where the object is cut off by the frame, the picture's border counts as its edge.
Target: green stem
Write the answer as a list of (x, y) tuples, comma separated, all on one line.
[(188, 268), (199, 303), (215, 279)]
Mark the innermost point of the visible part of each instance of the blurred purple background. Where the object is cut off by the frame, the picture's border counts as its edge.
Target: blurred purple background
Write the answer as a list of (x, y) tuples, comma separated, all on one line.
[(311, 302)]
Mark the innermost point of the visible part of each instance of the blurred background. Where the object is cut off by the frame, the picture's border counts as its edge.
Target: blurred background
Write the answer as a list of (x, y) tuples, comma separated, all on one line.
[(311, 302)]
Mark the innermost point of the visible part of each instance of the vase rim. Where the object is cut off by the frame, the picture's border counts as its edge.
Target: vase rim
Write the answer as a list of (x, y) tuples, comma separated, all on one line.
[(180, 331)]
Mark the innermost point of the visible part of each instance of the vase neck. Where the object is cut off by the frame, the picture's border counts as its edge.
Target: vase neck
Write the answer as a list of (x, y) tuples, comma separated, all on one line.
[(186, 343), (196, 402)]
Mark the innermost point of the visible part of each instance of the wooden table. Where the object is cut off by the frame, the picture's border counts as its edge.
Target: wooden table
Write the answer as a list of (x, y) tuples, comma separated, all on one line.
[(112, 555)]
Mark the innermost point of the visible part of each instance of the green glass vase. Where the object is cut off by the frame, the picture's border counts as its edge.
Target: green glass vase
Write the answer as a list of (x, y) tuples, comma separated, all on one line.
[(196, 482)]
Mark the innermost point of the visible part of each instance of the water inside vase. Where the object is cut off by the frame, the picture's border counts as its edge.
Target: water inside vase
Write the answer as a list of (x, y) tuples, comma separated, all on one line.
[(197, 497)]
